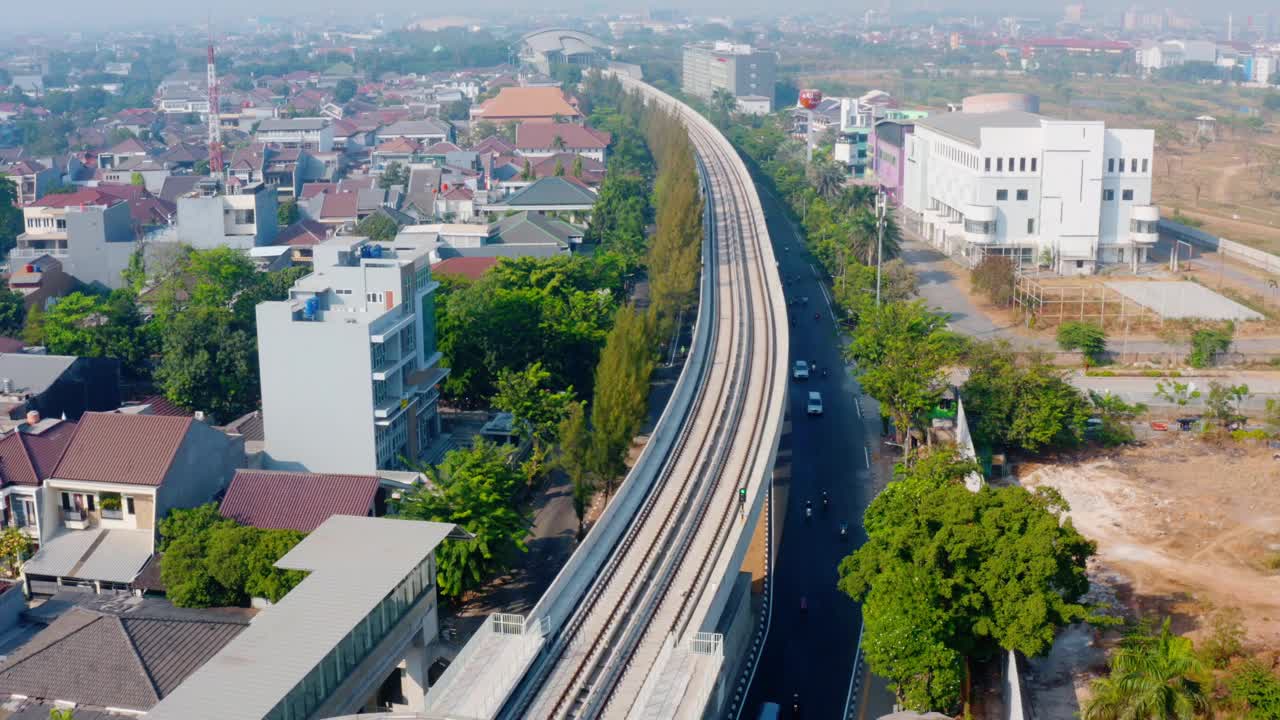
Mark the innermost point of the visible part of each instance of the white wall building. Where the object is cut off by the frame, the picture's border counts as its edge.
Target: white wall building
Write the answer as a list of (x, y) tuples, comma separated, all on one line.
[(1020, 184), (349, 364), (314, 133)]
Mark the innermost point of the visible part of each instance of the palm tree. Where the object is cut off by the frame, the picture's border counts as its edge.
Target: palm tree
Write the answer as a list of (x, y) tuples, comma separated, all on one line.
[(827, 179), (863, 240), (1153, 677), (558, 143), (723, 105)]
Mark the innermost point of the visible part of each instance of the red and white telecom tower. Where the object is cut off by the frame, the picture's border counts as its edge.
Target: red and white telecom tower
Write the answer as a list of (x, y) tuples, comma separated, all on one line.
[(215, 126)]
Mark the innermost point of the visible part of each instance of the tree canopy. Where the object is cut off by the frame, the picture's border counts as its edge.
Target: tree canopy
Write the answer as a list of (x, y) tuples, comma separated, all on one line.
[(947, 574), (1021, 402)]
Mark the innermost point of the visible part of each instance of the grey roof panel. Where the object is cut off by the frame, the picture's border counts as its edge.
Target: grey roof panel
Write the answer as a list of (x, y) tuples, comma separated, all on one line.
[(967, 127), (550, 191), (33, 373)]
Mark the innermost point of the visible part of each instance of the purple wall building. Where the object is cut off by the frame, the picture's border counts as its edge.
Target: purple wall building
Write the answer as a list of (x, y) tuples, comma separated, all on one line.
[(889, 138)]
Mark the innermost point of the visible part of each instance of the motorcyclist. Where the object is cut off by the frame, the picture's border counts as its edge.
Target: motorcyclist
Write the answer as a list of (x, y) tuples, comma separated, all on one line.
[(825, 500), (844, 530), (817, 316), (795, 705), (808, 508)]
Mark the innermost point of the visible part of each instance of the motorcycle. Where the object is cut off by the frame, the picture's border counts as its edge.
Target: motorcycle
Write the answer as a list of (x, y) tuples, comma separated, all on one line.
[(817, 316), (844, 530), (808, 509), (825, 501)]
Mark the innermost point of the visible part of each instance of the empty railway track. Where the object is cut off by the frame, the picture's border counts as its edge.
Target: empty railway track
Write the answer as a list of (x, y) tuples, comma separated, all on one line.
[(654, 589)]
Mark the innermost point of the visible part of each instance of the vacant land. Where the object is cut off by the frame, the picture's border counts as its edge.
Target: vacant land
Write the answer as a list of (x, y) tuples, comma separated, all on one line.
[(1183, 526)]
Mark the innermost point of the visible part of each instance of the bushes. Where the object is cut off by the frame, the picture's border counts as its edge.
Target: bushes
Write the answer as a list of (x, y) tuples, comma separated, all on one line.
[(1208, 342), (212, 561), (994, 277)]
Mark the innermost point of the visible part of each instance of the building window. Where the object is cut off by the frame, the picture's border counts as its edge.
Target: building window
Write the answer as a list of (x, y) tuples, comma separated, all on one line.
[(1144, 165), (1031, 226), (90, 501), (1002, 195), (243, 217), (1022, 194), (1126, 194), (373, 297), (1079, 264), (980, 227), (1033, 164), (1143, 227), (999, 164), (1133, 165), (1022, 164), (1121, 164), (1111, 165), (128, 505), (987, 164), (1108, 195)]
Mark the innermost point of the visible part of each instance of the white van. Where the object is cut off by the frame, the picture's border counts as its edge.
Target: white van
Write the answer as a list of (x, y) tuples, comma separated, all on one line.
[(815, 403)]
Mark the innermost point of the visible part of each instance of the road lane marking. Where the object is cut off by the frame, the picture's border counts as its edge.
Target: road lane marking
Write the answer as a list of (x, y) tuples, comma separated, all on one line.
[(867, 454), (822, 287), (858, 406)]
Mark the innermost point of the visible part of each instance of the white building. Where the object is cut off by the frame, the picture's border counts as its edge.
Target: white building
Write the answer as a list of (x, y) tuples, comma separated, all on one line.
[(349, 364), (308, 133), (740, 69), (1020, 184)]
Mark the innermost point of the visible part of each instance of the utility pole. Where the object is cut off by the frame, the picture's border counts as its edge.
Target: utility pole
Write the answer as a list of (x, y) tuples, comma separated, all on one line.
[(882, 207)]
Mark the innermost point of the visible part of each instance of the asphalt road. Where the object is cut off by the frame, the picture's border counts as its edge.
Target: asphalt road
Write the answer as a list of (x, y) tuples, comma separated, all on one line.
[(812, 653)]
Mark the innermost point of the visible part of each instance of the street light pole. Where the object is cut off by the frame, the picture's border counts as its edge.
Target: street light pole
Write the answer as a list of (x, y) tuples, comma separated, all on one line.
[(882, 203)]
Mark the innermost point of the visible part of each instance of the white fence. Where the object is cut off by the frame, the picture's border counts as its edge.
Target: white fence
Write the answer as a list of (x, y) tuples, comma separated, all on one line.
[(1260, 259)]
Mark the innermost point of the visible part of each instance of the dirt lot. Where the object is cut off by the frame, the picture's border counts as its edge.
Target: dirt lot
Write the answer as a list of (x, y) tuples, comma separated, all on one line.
[(1182, 526)]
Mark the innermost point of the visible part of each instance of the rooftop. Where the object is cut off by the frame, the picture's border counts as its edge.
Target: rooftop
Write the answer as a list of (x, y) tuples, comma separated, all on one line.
[(295, 500), (551, 191), (525, 102), (541, 135), (292, 124), (122, 448), (353, 562), (967, 127)]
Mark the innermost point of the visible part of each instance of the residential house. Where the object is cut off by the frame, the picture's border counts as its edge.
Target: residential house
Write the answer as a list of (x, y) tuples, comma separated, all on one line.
[(311, 133), (527, 104), (564, 165), (122, 152), (30, 178), (365, 321), (457, 204), (540, 139), (280, 500), (208, 218), (91, 232), (110, 659), (28, 455), (398, 150), (548, 195), (41, 280), (119, 475), (425, 132), (521, 234)]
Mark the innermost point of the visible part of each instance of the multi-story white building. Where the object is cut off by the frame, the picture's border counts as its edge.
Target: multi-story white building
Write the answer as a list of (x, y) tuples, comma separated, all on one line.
[(741, 69), (315, 133), (1019, 184), (349, 364)]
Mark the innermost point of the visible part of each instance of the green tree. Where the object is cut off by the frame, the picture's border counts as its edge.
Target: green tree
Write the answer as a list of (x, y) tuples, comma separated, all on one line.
[(1152, 677), (948, 575), (621, 394), (475, 489), (137, 180), (1116, 416), (902, 351), (97, 326), (577, 167), (558, 170), (15, 545), (1225, 639), (287, 213), (575, 459), (1021, 401), (344, 90), (1087, 338), (994, 277), (723, 105), (10, 215), (524, 394), (378, 227), (62, 714), (1255, 688), (209, 363), (265, 580), (827, 178), (13, 314), (1176, 393), (393, 174), (1224, 402), (483, 129), (526, 173)]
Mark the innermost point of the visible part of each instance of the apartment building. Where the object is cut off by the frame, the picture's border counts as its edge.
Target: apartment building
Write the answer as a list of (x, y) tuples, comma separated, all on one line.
[(30, 178), (740, 69), (349, 364), (90, 232), (1023, 185)]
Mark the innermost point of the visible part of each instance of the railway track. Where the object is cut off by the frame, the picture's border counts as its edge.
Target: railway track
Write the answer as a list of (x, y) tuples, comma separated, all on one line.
[(648, 592)]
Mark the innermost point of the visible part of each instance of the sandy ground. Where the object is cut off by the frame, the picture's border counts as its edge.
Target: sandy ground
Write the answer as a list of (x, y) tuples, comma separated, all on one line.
[(1182, 526)]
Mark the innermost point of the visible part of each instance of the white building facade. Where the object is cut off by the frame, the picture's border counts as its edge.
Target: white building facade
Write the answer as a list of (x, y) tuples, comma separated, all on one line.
[(349, 365), (1074, 194)]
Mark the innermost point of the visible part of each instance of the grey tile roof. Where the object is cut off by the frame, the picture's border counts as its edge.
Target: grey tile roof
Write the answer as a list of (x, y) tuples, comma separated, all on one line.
[(531, 229), (551, 191), (103, 660), (292, 124), (967, 127), (33, 373)]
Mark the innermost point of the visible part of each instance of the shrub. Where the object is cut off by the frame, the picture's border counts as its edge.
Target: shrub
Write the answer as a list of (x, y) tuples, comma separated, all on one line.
[(1087, 338), (1257, 690), (1208, 342), (994, 277)]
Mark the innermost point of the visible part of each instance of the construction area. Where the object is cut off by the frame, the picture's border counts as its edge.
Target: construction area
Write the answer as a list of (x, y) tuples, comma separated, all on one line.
[(1049, 300), (1174, 540)]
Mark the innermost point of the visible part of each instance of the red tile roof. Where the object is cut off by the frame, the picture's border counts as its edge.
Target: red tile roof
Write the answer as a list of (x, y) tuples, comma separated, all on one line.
[(87, 196), (441, 148), (399, 145), (541, 135), (29, 458), (119, 448), (160, 405), (526, 102), (312, 189), (469, 267), (339, 205), (305, 232), (296, 500)]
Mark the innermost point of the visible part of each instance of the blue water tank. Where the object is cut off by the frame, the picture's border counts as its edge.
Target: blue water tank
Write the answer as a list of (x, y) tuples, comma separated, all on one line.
[(309, 308), (365, 251), (376, 251)]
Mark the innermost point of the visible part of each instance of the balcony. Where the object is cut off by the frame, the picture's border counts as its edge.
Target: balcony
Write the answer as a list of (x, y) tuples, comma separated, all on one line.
[(980, 224), (1144, 221), (112, 514), (75, 519)]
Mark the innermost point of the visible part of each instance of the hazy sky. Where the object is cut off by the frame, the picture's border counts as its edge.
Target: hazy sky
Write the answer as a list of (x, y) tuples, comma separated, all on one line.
[(86, 14)]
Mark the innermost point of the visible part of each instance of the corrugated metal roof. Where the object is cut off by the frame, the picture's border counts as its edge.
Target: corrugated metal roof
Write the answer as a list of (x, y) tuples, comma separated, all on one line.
[(106, 555), (121, 448), (27, 458), (296, 500), (354, 563)]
